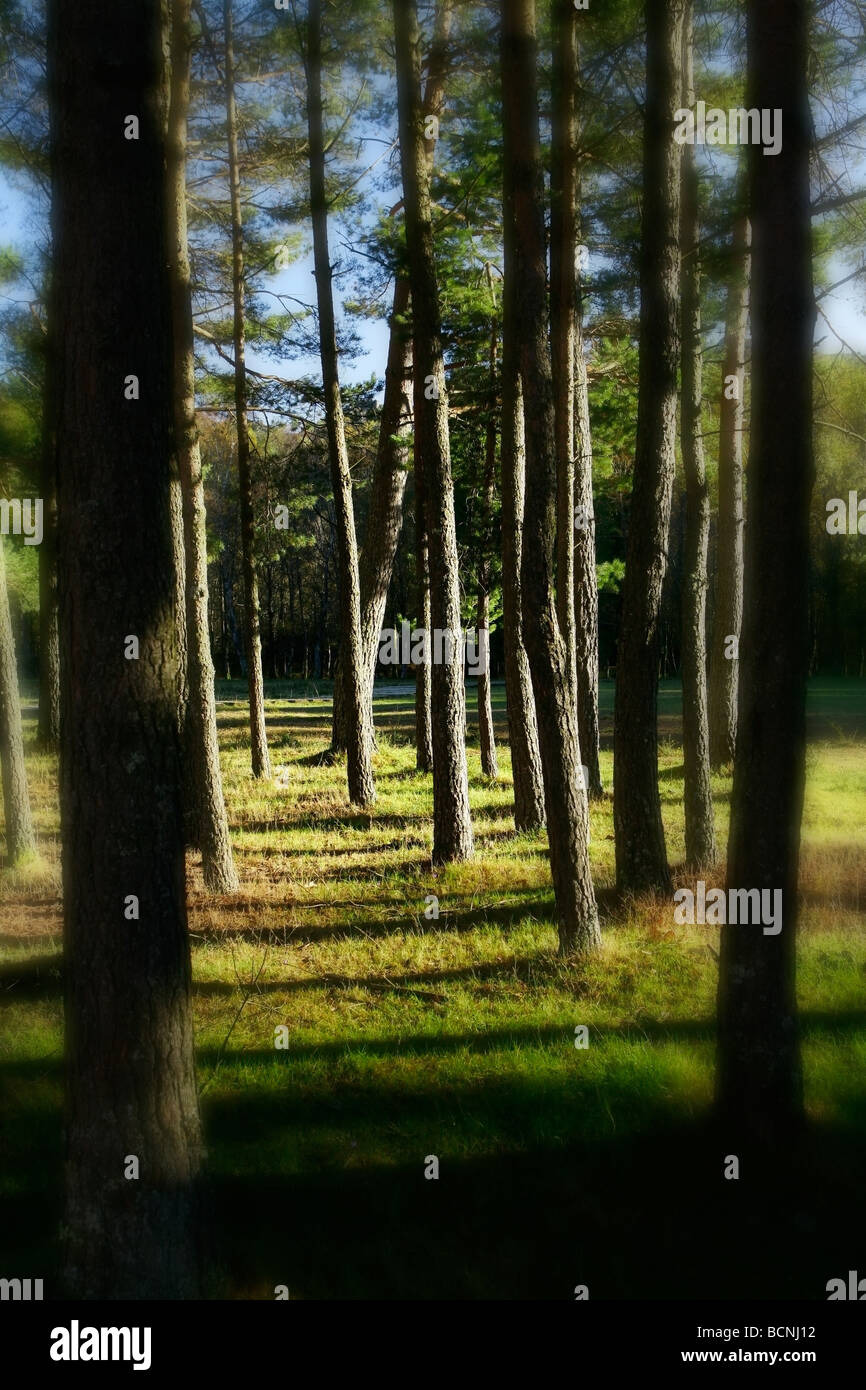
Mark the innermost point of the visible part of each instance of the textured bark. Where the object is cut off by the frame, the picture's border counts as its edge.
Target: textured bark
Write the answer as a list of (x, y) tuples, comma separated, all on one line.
[(523, 220), (20, 837), (432, 106), (49, 633), (452, 826), (641, 856), (261, 762), (759, 1071), (576, 584), (563, 311), (178, 575), (206, 813), (585, 577), (522, 726), (131, 1087), (359, 721), (698, 792), (729, 542), (487, 736)]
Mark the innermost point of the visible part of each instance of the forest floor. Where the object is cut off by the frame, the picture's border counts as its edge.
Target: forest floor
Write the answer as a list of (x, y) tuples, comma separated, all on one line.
[(411, 1036)]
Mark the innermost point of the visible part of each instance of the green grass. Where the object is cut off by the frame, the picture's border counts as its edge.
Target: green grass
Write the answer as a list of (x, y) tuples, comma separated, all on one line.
[(410, 1036)]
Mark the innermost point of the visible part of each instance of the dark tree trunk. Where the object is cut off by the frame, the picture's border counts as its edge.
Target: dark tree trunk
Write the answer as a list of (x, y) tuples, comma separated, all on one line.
[(206, 816), (759, 1072), (20, 837), (563, 311), (699, 819), (359, 722), (641, 856), (261, 762), (487, 736), (49, 633), (724, 666), (452, 826), (523, 221), (131, 1086), (576, 584)]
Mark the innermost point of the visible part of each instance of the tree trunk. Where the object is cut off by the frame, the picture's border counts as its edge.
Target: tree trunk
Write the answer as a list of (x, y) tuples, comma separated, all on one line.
[(202, 776), (724, 663), (20, 837), (563, 311), (487, 736), (641, 856), (385, 516), (759, 1073), (261, 762), (523, 222), (698, 796), (522, 727), (49, 634), (585, 577), (452, 826), (359, 723), (423, 683), (131, 1085)]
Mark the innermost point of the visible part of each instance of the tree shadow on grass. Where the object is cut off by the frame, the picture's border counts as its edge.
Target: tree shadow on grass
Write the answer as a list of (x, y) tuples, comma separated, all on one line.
[(647, 1216), (608, 1186)]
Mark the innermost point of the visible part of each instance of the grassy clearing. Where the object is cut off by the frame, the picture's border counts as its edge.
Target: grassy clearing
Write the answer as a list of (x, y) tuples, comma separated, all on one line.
[(410, 1036)]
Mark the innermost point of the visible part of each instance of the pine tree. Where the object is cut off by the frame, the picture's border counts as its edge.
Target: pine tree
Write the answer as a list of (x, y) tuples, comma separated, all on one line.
[(452, 826), (641, 856), (523, 220), (132, 1102)]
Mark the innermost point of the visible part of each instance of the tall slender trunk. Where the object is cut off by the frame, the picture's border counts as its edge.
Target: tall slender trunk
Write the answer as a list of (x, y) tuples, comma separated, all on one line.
[(261, 762), (207, 816), (522, 726), (641, 856), (523, 222), (487, 736), (385, 515), (698, 792), (133, 1130), (724, 661), (585, 577), (359, 723), (49, 633), (452, 826), (759, 1081), (20, 836), (423, 670), (563, 311)]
